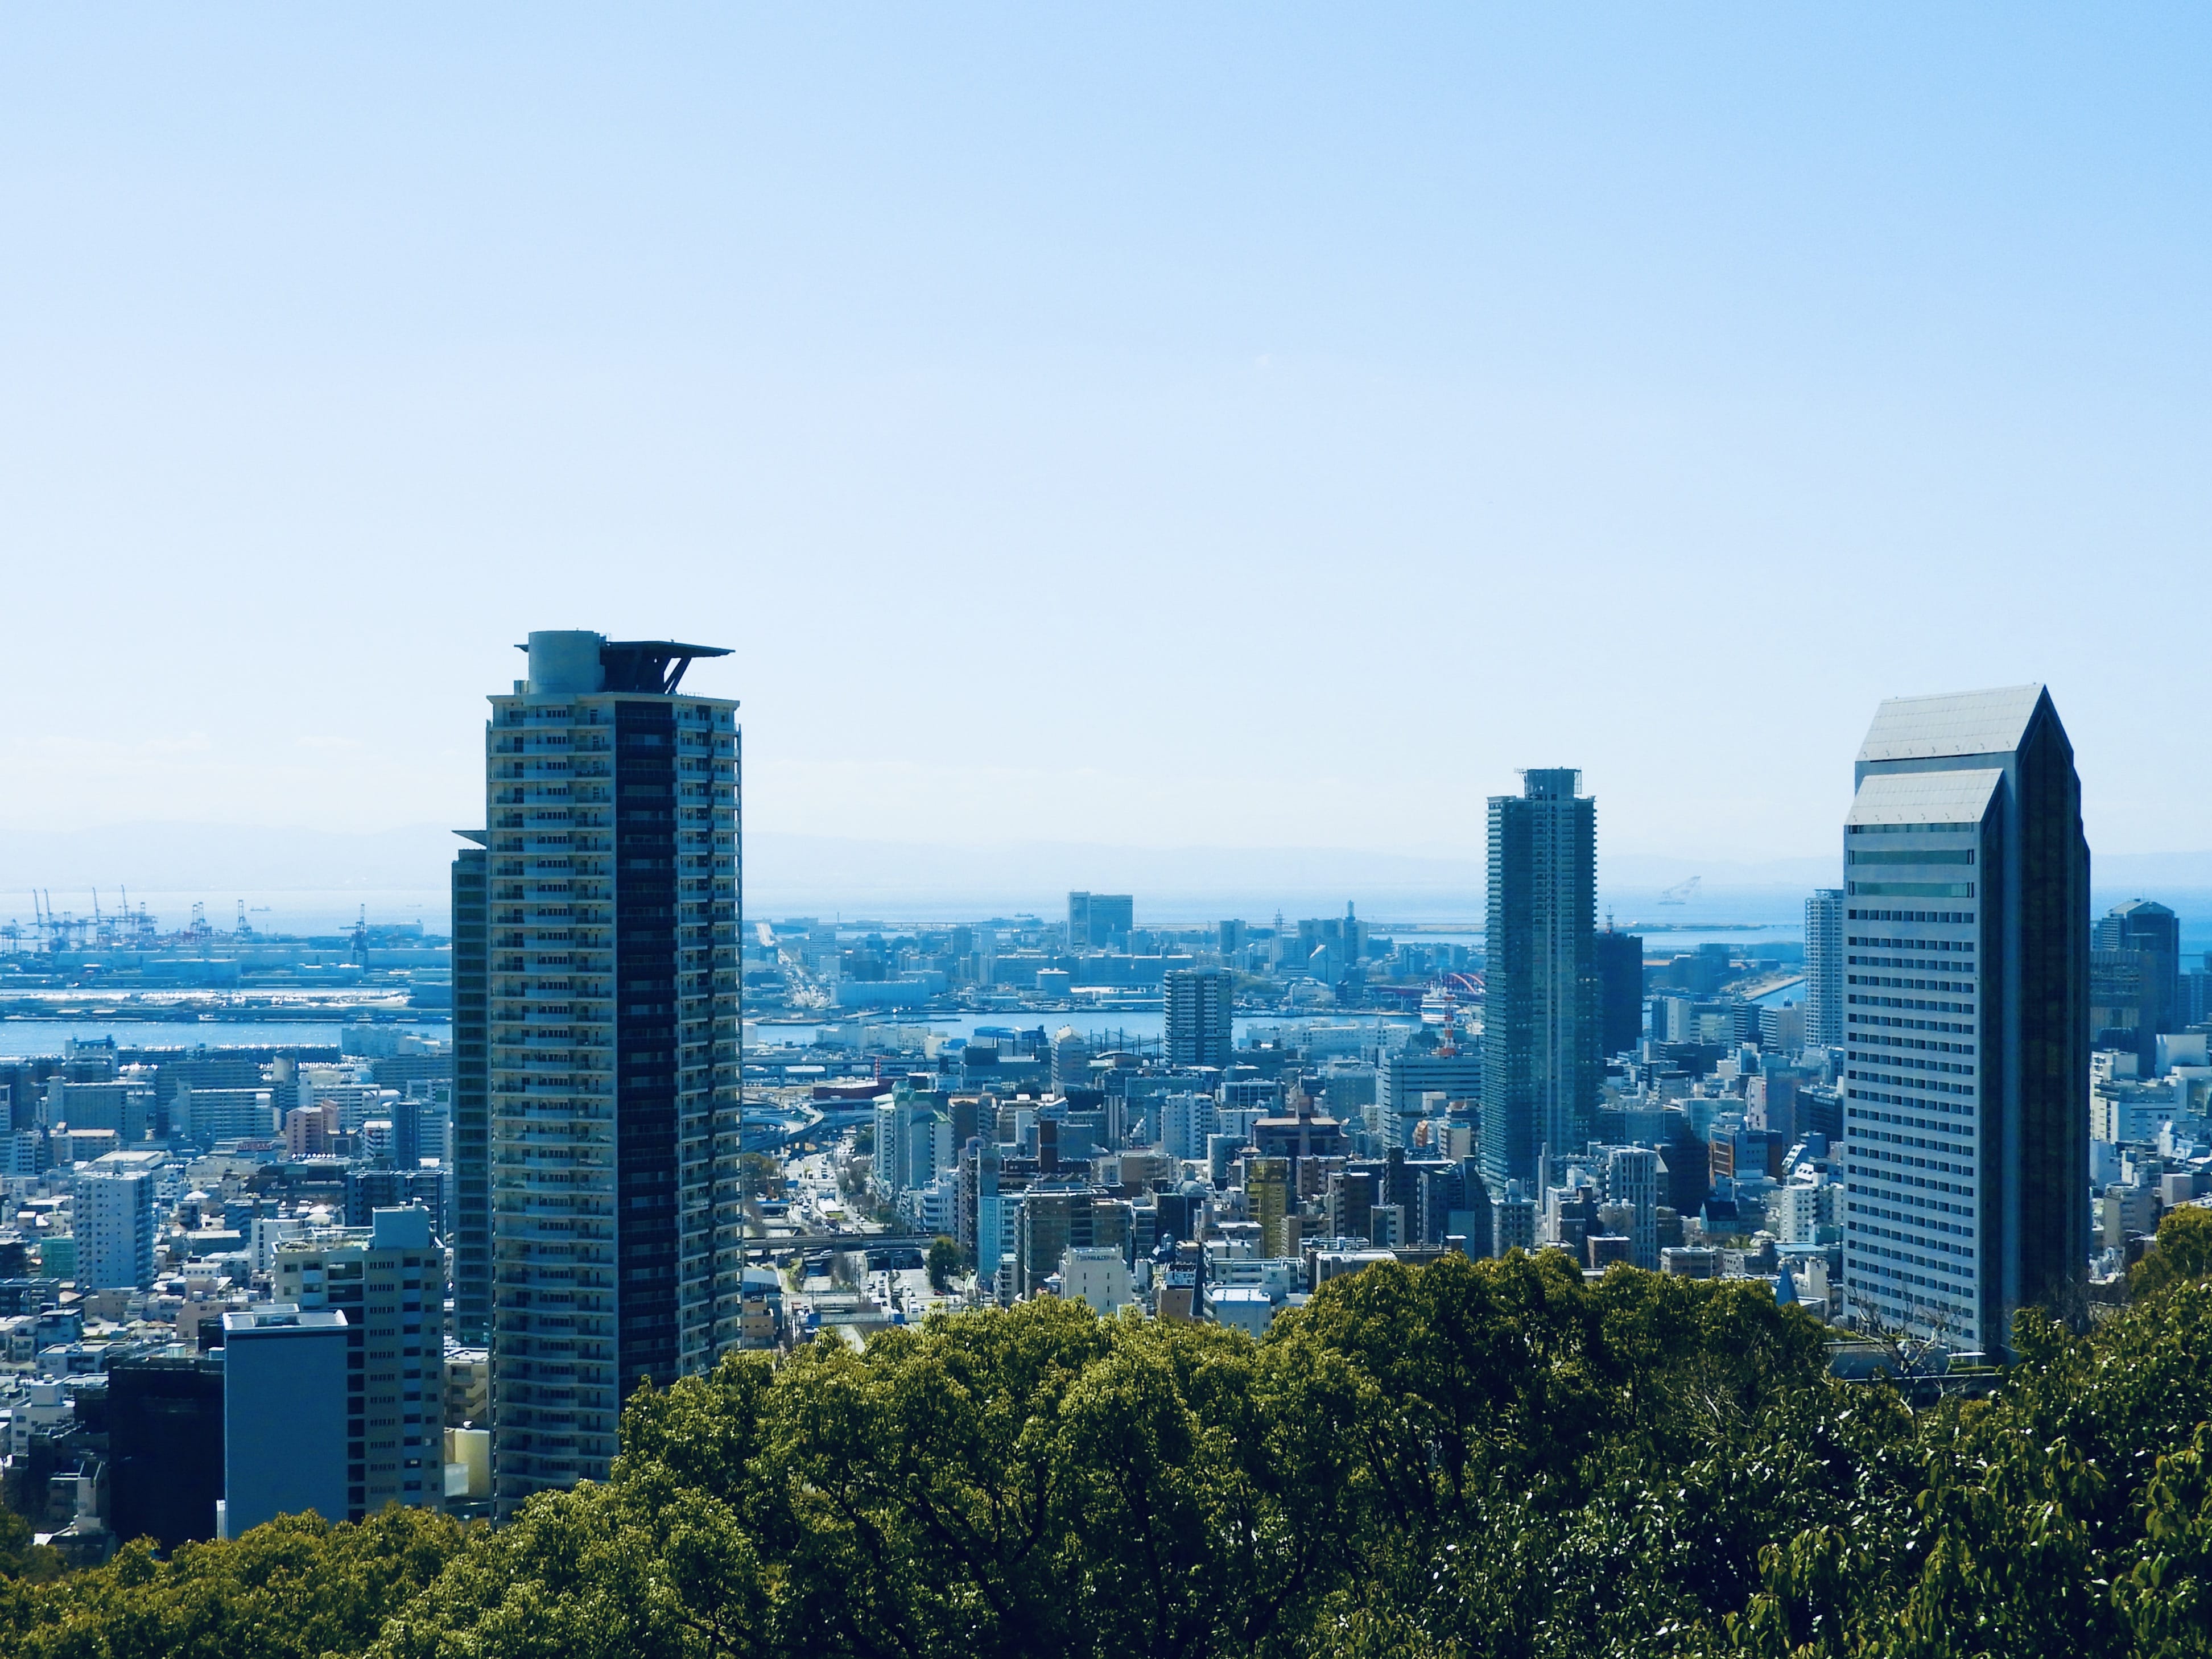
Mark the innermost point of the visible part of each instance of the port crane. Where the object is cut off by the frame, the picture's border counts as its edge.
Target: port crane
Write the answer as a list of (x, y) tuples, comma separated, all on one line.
[(1682, 891)]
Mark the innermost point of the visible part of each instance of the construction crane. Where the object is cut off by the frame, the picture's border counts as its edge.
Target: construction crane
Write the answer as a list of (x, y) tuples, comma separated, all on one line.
[(1681, 892)]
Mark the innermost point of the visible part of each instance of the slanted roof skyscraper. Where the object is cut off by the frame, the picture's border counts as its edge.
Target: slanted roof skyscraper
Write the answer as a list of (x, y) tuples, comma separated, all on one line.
[(1967, 1007)]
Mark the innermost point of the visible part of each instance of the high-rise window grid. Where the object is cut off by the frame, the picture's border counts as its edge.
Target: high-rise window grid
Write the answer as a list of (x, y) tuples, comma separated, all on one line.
[(613, 1039)]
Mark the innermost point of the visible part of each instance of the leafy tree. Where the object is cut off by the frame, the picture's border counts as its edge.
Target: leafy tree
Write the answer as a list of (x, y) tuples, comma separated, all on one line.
[(2183, 1252), (296, 1588), (21, 1556), (1469, 1459), (943, 1261)]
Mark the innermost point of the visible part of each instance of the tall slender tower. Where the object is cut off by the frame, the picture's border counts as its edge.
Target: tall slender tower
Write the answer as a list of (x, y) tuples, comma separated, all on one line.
[(1542, 1068), (471, 1218), (612, 997), (1824, 967), (1966, 1018)]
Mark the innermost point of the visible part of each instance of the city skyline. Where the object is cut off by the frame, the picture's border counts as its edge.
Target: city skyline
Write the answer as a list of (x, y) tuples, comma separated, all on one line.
[(1408, 957)]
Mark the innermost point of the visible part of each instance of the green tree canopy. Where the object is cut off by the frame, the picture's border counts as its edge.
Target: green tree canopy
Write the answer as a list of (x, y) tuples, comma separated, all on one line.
[(2183, 1252), (1467, 1459)]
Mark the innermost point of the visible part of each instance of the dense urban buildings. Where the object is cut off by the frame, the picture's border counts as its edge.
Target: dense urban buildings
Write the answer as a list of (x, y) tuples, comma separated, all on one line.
[(1541, 1065), (612, 1008), (1966, 941), (415, 1233)]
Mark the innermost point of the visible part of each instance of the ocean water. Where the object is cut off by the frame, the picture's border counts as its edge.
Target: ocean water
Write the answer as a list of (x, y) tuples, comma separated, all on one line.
[(25, 1039)]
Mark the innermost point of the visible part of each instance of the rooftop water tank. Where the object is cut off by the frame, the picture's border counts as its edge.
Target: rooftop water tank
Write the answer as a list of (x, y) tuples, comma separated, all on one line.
[(566, 660)]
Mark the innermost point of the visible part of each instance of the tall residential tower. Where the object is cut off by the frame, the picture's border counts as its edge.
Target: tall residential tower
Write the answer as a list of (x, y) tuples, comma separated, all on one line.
[(611, 993), (1967, 1016), (1199, 1009), (1824, 967), (1542, 1068), (470, 1226)]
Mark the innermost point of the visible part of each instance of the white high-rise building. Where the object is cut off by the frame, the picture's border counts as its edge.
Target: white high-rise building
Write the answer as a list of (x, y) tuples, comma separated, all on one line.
[(1794, 1212), (1965, 1017), (611, 989), (1186, 1119), (114, 1220), (1823, 968)]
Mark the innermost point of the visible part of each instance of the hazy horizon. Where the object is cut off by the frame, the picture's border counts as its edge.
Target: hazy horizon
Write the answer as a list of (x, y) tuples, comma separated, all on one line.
[(326, 875)]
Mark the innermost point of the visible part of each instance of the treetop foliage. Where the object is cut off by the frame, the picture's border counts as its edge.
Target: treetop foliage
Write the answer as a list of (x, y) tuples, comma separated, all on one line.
[(1466, 1459)]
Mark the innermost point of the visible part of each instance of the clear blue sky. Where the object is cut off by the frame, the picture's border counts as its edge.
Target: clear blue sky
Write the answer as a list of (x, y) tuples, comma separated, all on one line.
[(1217, 425)]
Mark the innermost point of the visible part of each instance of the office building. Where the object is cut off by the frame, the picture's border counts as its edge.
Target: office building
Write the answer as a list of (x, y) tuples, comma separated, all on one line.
[(1620, 991), (1542, 1068), (115, 1221), (912, 1139), (1070, 1061), (1631, 1182), (204, 1117), (389, 1280), (123, 1107), (1966, 1018), (284, 1415), (1782, 1031), (1057, 1215), (165, 1445), (1270, 1201), (367, 1191), (2135, 978), (1099, 922), (1823, 968), (471, 1222), (1199, 1005), (1200, 1016), (1402, 1080), (611, 989), (1186, 1119), (1512, 1222), (1098, 1275)]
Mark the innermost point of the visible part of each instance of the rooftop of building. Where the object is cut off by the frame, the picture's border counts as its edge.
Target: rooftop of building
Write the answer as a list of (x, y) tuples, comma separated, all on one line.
[(1914, 798), (1991, 722)]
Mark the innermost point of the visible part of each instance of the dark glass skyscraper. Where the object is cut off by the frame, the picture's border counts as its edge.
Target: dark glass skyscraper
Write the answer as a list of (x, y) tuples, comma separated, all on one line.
[(2135, 978), (613, 1064), (1620, 991), (471, 1221), (1967, 1016), (1542, 1069)]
